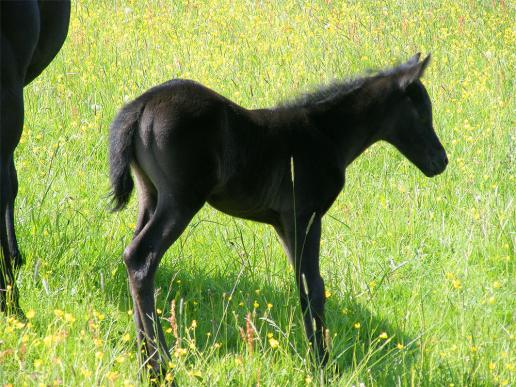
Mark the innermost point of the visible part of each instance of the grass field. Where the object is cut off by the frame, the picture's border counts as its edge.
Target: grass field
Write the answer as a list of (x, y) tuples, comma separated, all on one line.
[(419, 272)]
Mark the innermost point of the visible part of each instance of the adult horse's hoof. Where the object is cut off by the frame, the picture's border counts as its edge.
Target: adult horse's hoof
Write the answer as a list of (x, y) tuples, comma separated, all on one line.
[(9, 303)]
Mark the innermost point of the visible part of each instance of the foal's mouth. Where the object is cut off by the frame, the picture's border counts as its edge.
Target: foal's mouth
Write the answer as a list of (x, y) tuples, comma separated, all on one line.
[(436, 165)]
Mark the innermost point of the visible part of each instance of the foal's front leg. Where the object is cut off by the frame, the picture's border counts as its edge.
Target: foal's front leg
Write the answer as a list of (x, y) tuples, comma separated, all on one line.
[(301, 244)]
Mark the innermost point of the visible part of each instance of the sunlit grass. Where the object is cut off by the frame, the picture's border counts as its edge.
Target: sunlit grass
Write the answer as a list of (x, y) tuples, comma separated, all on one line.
[(419, 271)]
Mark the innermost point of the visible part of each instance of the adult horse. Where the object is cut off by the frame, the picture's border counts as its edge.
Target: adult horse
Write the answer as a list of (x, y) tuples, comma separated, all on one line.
[(33, 32), (187, 145)]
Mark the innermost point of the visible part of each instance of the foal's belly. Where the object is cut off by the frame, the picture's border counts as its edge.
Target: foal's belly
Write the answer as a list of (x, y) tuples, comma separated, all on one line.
[(242, 205)]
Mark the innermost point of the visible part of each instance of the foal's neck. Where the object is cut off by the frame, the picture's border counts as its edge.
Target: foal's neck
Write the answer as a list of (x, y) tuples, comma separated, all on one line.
[(352, 130)]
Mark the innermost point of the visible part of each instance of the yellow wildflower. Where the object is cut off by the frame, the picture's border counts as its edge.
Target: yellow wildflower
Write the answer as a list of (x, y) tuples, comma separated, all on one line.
[(456, 284), (112, 376), (273, 342)]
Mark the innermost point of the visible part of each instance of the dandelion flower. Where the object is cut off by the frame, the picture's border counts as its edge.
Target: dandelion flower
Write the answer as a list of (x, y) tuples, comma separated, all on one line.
[(273, 343)]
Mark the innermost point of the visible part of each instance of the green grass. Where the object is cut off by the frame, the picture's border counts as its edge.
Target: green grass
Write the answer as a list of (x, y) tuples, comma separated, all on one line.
[(427, 261)]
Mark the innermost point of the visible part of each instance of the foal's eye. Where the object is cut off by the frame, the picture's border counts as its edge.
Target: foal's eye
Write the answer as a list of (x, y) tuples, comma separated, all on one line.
[(423, 117)]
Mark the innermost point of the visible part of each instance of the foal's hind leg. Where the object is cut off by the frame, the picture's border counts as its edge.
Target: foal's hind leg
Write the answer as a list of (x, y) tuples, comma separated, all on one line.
[(142, 258), (147, 199), (146, 206)]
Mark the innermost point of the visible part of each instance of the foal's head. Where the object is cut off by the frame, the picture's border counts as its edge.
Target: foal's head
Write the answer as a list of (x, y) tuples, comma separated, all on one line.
[(408, 117)]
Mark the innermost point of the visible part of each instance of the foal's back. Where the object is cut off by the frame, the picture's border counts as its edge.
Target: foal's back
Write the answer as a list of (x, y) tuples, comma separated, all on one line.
[(193, 140)]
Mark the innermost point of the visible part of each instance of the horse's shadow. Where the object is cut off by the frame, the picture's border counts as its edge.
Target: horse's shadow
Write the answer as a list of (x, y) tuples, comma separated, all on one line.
[(221, 304)]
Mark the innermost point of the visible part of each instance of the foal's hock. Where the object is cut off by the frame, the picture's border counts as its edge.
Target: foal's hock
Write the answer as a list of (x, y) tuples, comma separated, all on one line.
[(187, 145)]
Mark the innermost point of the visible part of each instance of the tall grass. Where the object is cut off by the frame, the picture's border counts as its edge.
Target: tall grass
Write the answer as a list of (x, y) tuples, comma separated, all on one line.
[(419, 271)]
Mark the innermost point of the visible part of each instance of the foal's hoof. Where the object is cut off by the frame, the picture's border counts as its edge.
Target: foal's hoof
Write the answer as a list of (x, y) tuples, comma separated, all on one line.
[(158, 376)]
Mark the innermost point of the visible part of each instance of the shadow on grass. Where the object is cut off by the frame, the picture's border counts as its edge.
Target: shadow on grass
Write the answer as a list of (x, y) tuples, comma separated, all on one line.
[(363, 346)]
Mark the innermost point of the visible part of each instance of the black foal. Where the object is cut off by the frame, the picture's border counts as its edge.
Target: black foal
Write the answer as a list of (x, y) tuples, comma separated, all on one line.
[(32, 34), (284, 166)]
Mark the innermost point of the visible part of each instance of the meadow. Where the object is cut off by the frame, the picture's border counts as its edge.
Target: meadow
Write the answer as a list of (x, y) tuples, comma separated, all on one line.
[(419, 272)]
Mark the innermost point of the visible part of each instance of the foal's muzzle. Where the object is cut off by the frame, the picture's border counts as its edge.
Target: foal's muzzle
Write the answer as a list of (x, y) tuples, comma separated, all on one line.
[(438, 163)]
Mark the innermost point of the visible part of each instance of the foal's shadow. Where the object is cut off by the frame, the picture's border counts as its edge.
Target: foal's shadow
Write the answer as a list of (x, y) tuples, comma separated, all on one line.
[(363, 345)]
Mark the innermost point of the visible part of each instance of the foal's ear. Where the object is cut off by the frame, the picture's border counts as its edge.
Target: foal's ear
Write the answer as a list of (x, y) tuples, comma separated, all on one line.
[(414, 59), (411, 71)]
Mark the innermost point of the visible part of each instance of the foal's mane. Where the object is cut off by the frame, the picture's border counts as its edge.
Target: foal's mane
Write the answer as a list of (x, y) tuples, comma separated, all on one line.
[(338, 89)]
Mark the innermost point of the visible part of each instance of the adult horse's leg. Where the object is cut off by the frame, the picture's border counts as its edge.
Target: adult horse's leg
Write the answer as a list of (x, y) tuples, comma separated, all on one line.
[(11, 121), (142, 258), (19, 36), (301, 244)]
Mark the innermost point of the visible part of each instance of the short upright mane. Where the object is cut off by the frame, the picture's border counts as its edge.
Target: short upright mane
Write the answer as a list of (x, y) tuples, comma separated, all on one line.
[(339, 88), (332, 91)]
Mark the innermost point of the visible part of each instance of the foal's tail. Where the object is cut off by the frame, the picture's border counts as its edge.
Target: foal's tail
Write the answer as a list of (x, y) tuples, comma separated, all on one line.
[(121, 134)]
